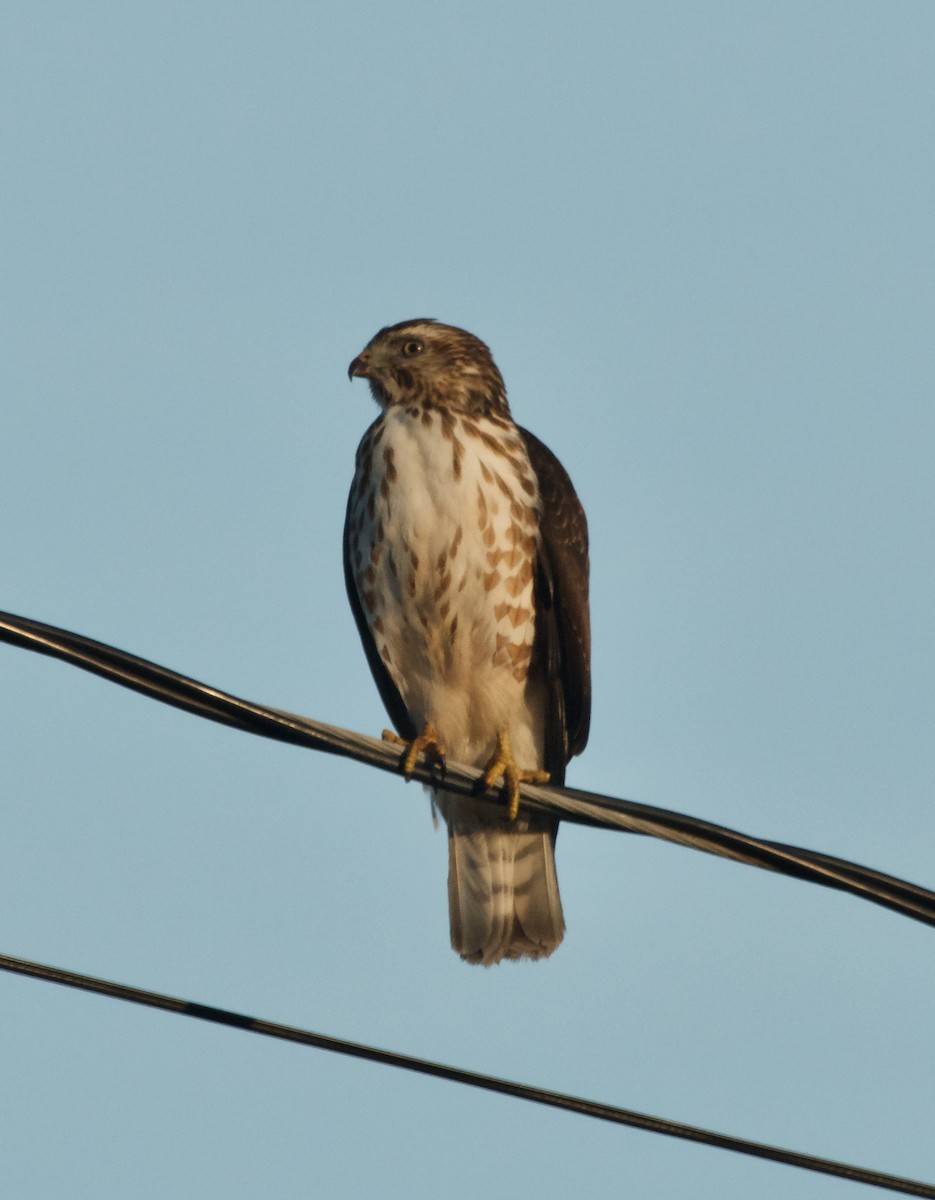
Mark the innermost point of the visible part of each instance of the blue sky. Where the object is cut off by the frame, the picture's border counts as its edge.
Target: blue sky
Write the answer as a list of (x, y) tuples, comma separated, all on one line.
[(699, 239)]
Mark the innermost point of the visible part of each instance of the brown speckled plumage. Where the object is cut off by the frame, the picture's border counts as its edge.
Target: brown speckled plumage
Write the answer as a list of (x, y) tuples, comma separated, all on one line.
[(466, 563)]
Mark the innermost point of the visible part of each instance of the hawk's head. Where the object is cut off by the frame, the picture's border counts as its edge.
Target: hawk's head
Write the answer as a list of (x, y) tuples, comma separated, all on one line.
[(421, 361)]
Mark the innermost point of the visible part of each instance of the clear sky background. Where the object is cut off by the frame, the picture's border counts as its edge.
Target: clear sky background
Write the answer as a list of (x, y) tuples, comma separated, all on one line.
[(699, 239)]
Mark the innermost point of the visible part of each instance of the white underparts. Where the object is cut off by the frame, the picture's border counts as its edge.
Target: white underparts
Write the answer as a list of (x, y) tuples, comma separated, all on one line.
[(444, 538), (448, 534)]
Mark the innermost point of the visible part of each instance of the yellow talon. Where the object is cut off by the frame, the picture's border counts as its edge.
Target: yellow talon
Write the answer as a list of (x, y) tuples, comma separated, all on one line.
[(426, 743), (502, 766)]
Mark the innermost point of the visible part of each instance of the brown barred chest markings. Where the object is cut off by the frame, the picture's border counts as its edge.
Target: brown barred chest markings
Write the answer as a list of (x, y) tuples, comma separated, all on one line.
[(444, 527)]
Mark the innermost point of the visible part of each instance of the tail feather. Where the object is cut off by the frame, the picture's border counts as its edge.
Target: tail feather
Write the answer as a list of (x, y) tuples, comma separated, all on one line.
[(502, 887)]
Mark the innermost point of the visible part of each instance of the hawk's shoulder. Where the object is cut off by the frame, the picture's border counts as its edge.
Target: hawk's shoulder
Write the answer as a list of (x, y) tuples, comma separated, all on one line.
[(563, 627), (389, 693)]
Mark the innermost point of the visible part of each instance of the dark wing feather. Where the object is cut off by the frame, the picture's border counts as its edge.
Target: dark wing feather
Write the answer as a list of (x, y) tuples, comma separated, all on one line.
[(563, 625), (389, 693)]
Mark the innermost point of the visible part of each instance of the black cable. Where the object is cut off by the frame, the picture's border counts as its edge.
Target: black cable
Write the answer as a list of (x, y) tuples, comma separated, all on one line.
[(490, 1083), (571, 804)]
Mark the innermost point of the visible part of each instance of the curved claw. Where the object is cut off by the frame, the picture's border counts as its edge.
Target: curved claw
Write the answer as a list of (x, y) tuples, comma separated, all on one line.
[(503, 766), (426, 743)]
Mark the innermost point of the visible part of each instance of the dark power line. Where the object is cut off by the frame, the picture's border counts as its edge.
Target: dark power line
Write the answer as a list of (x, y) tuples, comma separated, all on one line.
[(490, 1083), (571, 804)]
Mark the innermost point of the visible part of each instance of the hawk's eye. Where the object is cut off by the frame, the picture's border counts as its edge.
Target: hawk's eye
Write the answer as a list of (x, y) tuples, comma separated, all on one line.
[(412, 347)]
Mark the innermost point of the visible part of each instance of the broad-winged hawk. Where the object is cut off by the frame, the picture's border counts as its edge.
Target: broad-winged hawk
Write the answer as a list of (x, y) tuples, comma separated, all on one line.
[(466, 562)]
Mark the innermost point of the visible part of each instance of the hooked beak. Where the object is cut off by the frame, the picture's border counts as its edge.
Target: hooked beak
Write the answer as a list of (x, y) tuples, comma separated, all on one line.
[(359, 368)]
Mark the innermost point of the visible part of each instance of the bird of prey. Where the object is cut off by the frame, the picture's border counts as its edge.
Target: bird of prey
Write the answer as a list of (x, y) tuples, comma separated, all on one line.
[(466, 563)]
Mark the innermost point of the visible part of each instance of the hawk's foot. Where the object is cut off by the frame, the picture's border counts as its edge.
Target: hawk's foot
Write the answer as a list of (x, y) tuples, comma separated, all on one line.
[(502, 766), (426, 743)]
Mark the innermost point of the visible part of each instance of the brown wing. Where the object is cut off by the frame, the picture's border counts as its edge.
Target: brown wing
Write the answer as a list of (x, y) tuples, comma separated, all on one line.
[(563, 624), (389, 693)]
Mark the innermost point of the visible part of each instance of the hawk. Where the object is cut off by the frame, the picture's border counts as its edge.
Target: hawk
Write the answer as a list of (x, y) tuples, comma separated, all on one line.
[(466, 564)]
